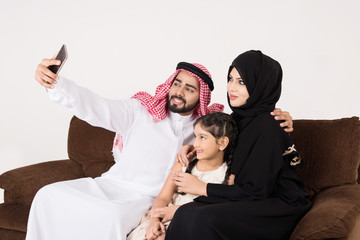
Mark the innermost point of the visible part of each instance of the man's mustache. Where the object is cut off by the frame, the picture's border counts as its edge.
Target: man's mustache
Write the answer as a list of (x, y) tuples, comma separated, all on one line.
[(175, 96)]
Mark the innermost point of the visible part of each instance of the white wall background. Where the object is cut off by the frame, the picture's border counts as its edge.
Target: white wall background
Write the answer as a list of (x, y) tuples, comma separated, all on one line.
[(119, 47)]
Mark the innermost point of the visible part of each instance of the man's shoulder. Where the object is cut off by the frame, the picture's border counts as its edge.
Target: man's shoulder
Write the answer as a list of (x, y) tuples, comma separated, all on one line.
[(138, 108), (135, 102)]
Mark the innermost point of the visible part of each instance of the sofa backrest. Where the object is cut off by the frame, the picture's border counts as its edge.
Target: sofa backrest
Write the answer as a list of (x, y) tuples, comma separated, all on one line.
[(330, 152), (91, 147)]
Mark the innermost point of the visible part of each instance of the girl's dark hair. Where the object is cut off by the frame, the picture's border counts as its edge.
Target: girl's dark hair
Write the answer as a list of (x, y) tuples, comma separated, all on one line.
[(219, 124)]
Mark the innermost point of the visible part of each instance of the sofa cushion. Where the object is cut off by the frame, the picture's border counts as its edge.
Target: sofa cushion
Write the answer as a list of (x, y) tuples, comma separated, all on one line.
[(14, 216), (333, 215), (6, 234), (91, 147), (330, 152), (21, 184)]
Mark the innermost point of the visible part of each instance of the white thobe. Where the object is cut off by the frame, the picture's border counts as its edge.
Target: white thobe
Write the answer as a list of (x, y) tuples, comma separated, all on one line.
[(110, 206)]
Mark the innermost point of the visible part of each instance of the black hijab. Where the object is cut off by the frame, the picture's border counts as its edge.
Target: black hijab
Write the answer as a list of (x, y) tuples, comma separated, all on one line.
[(262, 76)]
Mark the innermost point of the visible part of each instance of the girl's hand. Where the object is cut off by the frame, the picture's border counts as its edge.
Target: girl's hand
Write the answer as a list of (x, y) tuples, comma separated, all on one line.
[(188, 183), (155, 229), (166, 213), (186, 154)]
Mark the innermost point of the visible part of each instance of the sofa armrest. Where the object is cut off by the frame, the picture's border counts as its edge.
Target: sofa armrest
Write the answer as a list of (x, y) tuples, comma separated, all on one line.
[(21, 184), (334, 215)]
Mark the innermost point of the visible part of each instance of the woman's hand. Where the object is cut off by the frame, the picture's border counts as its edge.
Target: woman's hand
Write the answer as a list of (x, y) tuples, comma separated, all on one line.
[(285, 116), (165, 213), (186, 154), (155, 229), (231, 179), (188, 183)]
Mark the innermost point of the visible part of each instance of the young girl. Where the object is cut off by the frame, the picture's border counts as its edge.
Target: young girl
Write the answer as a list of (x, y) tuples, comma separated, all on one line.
[(267, 198), (215, 136)]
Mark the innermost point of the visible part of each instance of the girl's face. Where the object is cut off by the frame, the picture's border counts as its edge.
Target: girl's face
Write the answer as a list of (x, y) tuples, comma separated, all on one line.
[(236, 89), (206, 145)]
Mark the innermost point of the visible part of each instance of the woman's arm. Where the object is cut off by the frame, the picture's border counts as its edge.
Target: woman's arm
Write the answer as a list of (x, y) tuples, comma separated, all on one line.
[(258, 165), (187, 152), (188, 183)]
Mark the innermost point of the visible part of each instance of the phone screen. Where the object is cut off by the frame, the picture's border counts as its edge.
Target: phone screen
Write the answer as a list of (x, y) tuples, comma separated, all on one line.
[(62, 56)]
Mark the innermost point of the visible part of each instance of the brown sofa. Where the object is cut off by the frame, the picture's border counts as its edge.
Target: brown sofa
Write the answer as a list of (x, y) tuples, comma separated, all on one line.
[(330, 150)]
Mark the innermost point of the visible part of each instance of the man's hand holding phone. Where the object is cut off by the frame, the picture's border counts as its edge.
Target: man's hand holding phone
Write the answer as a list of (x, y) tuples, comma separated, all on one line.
[(47, 70)]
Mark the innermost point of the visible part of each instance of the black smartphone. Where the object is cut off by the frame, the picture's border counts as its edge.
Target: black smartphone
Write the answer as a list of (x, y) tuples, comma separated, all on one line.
[(62, 56)]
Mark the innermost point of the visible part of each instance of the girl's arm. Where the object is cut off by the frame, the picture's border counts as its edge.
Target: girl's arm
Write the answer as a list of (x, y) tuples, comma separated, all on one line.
[(161, 201), (168, 190)]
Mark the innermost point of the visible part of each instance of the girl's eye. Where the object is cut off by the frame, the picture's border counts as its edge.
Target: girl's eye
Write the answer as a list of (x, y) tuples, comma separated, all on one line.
[(241, 82), (202, 137), (230, 79)]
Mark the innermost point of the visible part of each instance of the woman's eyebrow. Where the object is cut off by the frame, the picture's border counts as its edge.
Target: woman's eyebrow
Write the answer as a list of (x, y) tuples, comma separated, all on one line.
[(236, 78)]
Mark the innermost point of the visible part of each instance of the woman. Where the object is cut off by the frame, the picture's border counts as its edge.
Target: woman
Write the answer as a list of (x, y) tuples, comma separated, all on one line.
[(268, 198)]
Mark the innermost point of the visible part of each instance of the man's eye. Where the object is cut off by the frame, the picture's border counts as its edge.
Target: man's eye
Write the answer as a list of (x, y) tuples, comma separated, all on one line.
[(177, 84), (190, 90)]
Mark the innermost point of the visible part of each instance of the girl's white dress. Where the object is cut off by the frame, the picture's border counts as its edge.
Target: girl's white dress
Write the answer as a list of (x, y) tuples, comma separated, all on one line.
[(214, 176)]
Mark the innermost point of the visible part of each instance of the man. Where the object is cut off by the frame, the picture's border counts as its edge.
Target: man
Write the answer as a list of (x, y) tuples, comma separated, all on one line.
[(153, 129)]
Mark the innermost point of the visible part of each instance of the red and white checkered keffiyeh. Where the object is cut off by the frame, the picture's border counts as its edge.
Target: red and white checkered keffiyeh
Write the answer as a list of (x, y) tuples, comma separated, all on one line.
[(156, 105)]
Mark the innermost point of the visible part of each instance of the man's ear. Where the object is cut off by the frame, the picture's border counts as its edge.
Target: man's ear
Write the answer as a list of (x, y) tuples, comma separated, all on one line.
[(223, 142)]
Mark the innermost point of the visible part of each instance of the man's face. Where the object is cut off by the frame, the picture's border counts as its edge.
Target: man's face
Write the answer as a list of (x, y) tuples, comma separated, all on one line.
[(184, 94)]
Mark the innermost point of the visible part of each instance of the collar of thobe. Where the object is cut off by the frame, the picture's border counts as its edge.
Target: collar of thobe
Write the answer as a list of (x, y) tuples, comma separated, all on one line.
[(183, 119)]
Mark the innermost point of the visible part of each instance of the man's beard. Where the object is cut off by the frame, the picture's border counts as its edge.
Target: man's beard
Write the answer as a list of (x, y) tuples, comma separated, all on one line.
[(185, 109)]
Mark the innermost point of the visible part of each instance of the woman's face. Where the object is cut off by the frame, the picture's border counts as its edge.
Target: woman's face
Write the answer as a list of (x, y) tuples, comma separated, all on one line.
[(236, 89)]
